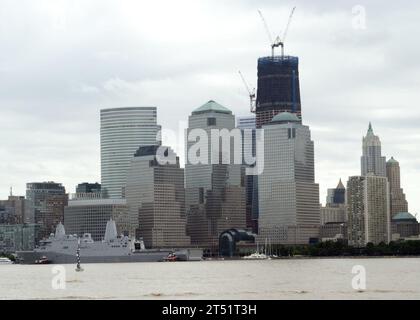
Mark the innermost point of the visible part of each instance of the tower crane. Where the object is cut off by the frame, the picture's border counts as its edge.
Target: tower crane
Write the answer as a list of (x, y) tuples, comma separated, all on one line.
[(279, 42), (250, 92)]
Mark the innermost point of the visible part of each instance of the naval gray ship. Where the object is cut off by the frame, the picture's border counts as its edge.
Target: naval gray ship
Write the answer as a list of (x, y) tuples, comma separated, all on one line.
[(60, 248)]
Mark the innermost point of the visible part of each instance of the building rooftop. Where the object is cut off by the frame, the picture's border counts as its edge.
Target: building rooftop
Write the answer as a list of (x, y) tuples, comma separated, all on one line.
[(404, 216), (285, 117), (392, 160), (212, 106), (340, 185)]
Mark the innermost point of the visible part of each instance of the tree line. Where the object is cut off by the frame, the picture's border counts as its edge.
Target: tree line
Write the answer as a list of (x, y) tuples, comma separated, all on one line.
[(340, 248)]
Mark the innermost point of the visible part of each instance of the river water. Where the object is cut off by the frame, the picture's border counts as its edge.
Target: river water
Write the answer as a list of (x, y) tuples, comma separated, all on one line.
[(386, 278)]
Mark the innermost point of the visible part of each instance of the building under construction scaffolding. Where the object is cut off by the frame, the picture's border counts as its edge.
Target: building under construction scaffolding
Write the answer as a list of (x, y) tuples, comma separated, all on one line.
[(278, 87)]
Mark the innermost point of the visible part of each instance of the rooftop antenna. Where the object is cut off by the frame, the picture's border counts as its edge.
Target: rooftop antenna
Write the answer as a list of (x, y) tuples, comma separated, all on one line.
[(250, 92), (11, 191), (278, 42)]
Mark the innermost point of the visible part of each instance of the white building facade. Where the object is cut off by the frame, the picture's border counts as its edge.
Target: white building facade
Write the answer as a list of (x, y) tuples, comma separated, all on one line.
[(368, 210)]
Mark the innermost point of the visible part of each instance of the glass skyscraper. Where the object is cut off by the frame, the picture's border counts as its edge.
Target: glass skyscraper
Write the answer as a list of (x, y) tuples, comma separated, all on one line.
[(123, 131), (278, 88)]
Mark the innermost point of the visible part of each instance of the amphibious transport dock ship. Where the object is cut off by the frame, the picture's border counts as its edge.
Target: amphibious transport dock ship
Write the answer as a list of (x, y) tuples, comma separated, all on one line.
[(60, 248)]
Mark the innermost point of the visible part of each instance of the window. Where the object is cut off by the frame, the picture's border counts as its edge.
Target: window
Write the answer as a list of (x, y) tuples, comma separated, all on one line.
[(291, 133), (211, 121), (201, 195)]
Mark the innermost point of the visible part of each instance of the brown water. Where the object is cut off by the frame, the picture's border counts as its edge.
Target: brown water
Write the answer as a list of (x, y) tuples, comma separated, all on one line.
[(386, 278)]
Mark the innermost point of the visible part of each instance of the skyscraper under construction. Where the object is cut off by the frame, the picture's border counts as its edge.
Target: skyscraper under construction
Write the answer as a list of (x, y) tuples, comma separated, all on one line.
[(278, 88)]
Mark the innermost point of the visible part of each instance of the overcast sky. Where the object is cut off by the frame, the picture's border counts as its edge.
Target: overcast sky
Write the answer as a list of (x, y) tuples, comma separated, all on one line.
[(62, 61)]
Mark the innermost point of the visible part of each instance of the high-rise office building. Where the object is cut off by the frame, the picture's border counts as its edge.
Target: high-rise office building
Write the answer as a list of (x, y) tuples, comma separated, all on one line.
[(278, 88), (90, 215), (368, 210), (215, 190), (123, 130), (46, 202), (86, 187), (334, 214), (156, 198), (337, 195), (397, 196), (245, 122), (247, 126), (372, 160), (14, 210), (289, 208), (89, 190)]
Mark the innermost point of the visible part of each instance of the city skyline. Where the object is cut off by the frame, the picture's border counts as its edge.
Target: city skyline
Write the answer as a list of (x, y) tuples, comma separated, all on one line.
[(67, 151)]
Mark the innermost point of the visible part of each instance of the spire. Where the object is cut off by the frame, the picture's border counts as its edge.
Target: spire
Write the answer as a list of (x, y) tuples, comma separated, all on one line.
[(340, 185), (370, 130)]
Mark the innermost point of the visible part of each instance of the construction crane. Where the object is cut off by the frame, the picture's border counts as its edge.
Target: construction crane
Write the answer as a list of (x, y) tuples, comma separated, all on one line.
[(278, 42), (250, 92)]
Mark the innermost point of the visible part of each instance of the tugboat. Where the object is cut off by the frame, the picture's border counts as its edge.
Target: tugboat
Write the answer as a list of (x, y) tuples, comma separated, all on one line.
[(171, 258), (43, 260)]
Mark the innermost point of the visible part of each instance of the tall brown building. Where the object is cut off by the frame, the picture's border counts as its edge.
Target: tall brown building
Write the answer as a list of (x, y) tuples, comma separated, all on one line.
[(46, 202), (398, 201), (155, 196), (13, 210)]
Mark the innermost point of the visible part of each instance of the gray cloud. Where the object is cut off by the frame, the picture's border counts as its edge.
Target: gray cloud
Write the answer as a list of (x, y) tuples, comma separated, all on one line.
[(61, 61)]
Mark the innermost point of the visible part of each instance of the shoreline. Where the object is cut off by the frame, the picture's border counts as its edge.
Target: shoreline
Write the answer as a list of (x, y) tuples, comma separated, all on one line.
[(319, 257)]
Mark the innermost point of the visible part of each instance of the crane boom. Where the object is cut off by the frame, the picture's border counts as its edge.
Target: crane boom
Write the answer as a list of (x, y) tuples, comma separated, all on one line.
[(251, 93), (278, 42), (288, 24), (267, 30), (244, 81)]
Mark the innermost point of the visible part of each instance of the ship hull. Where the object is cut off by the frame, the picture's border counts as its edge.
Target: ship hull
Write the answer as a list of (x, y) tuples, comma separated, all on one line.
[(30, 257)]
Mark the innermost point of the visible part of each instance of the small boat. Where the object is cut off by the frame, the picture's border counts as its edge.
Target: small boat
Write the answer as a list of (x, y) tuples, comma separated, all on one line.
[(171, 258), (5, 260), (43, 260), (257, 256)]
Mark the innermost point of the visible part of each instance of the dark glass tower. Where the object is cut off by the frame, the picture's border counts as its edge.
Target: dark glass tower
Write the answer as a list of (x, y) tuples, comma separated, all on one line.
[(339, 194), (278, 87)]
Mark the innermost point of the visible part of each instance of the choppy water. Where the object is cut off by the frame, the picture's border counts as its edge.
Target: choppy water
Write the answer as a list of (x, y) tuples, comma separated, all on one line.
[(393, 278)]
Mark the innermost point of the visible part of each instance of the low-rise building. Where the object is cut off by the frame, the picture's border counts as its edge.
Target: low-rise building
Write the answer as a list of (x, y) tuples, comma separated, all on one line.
[(17, 237), (333, 231), (91, 215), (404, 225)]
